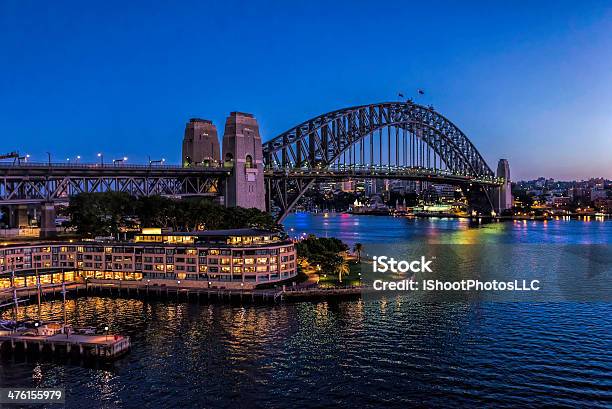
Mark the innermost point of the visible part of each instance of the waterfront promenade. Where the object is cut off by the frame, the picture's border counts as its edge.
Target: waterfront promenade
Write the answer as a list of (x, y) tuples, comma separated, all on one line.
[(138, 289)]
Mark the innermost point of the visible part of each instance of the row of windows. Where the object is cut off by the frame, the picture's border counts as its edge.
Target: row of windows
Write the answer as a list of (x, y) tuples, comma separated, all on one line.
[(145, 250), (169, 260), (146, 259)]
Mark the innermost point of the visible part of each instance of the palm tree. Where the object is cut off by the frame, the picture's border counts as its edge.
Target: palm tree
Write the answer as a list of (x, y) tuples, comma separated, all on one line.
[(342, 268), (357, 249)]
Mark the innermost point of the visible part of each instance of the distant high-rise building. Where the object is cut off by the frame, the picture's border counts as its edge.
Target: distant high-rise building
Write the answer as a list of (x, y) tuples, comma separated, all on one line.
[(503, 195), (446, 193), (348, 185), (201, 143)]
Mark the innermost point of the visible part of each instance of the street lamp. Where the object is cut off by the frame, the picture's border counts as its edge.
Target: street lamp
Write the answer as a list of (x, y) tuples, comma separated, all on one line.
[(101, 156), (78, 158), (120, 160), (106, 330), (160, 161)]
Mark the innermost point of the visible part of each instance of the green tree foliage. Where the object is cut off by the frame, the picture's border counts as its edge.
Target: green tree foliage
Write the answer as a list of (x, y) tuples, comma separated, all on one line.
[(95, 214), (322, 251)]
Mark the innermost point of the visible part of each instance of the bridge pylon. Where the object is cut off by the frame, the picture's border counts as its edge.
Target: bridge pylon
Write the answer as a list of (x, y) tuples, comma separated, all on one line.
[(242, 151), (201, 143), (502, 195), (47, 220)]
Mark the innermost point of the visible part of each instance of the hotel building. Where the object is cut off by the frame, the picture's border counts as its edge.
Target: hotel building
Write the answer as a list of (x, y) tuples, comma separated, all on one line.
[(239, 258)]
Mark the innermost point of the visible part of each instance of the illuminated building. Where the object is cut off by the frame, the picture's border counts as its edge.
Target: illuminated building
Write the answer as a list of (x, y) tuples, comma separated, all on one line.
[(238, 258)]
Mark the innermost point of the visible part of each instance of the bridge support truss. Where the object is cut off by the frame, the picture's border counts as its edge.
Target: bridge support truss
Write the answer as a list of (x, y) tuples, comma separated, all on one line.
[(395, 140), (32, 184)]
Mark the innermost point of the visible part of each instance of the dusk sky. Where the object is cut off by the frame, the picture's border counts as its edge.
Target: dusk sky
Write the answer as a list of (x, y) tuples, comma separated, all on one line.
[(527, 81)]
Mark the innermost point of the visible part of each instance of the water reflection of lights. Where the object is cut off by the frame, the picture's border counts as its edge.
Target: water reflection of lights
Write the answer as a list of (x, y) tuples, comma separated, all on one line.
[(104, 382), (383, 306), (37, 374)]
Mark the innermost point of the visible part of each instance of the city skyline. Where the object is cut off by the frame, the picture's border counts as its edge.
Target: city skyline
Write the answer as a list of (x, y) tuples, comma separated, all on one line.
[(539, 96)]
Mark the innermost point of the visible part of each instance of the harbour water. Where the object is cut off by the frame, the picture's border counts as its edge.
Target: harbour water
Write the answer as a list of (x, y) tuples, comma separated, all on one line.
[(367, 353)]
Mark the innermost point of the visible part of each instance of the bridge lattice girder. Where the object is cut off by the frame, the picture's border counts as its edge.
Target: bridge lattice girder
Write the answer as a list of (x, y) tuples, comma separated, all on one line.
[(294, 158), (37, 183)]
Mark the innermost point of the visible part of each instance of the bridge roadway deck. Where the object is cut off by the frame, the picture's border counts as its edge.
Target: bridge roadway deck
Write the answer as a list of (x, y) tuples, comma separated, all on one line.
[(106, 170)]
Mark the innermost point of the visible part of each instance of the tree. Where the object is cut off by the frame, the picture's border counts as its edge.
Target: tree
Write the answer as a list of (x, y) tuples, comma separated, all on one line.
[(94, 214), (342, 268)]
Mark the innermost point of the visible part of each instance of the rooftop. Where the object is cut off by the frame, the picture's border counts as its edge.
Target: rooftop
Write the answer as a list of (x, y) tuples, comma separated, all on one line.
[(226, 232), (192, 120)]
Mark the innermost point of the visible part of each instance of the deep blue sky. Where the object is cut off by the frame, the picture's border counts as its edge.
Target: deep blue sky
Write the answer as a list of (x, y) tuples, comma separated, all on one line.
[(529, 81)]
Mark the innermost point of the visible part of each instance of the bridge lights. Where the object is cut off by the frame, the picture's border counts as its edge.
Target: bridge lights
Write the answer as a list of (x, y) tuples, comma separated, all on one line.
[(159, 161), (101, 156)]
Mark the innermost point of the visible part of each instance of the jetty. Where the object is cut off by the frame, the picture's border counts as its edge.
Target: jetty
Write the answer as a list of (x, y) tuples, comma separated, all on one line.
[(98, 346), (56, 337), (323, 292)]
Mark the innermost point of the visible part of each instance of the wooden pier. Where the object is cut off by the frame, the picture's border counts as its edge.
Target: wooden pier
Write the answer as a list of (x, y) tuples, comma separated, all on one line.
[(140, 289), (322, 292), (98, 346)]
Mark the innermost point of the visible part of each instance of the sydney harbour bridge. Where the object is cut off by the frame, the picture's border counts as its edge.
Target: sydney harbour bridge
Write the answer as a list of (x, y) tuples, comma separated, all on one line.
[(393, 140)]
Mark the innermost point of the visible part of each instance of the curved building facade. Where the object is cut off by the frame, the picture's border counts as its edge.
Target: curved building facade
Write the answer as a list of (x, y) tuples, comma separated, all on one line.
[(240, 258)]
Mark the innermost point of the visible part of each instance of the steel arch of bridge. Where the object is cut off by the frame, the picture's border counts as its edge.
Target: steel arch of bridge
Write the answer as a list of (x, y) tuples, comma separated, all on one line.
[(420, 144)]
